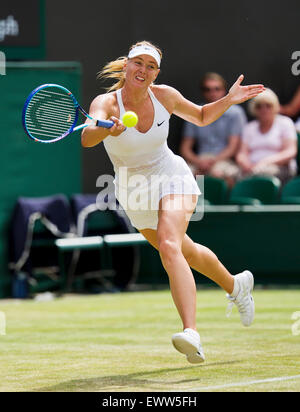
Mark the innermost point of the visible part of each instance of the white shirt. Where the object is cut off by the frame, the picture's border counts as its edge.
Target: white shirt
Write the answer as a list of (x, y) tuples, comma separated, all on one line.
[(133, 148), (261, 145)]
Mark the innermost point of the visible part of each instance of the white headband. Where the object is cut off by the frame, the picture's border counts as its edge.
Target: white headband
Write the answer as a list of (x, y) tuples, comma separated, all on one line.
[(144, 49)]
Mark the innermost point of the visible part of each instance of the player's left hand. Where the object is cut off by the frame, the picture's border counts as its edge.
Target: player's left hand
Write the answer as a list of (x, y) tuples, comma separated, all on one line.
[(239, 93)]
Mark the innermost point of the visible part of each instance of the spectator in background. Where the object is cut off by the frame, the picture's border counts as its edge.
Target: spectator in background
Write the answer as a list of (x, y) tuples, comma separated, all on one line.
[(269, 143), (211, 149), (292, 109)]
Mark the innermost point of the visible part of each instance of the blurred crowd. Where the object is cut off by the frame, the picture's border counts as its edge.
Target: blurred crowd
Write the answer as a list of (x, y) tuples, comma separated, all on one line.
[(261, 141)]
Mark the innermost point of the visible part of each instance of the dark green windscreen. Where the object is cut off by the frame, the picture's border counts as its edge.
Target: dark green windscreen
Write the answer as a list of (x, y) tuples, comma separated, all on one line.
[(29, 168)]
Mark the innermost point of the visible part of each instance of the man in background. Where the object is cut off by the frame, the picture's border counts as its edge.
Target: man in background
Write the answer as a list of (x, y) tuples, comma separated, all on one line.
[(211, 149)]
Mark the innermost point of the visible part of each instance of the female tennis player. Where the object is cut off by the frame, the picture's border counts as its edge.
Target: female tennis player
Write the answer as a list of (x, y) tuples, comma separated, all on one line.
[(146, 169)]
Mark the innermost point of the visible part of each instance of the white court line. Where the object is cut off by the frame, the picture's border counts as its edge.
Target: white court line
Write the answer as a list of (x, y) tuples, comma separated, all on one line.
[(231, 385)]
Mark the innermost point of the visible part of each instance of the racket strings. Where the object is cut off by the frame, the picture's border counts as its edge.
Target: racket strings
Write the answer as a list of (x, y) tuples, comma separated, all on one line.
[(50, 114)]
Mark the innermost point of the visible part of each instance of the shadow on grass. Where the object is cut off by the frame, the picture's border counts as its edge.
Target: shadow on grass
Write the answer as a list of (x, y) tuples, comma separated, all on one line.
[(139, 380)]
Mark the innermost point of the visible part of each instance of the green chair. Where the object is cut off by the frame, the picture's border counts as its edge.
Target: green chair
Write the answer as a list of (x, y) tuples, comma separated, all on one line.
[(75, 244), (290, 193), (96, 251), (215, 191), (256, 190)]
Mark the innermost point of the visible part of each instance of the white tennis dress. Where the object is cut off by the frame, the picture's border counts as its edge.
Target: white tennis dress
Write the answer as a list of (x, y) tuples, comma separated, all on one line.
[(146, 169)]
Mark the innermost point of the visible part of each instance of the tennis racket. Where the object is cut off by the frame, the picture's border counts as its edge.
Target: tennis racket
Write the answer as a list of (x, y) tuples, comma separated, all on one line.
[(51, 112)]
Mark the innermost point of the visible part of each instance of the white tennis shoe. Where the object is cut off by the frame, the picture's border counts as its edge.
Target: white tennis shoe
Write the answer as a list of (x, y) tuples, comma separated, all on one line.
[(241, 296), (188, 342)]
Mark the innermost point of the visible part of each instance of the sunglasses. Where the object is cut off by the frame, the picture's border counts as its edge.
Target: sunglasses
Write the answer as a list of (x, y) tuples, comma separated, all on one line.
[(262, 105), (212, 89)]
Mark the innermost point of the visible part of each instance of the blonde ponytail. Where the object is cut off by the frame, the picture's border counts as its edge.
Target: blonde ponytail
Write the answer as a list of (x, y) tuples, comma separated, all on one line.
[(114, 70)]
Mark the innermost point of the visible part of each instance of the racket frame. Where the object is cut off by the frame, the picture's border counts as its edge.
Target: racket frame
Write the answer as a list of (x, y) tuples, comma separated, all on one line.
[(73, 128)]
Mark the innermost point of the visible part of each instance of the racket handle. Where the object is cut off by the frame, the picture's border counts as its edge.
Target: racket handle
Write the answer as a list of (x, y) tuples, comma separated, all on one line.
[(105, 123), (100, 123)]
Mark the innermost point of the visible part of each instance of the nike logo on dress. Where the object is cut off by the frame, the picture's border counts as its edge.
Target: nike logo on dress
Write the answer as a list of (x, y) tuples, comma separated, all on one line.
[(159, 124)]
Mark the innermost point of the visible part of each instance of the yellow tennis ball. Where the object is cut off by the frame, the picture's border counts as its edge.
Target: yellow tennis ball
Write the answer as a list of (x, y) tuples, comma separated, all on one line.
[(129, 119)]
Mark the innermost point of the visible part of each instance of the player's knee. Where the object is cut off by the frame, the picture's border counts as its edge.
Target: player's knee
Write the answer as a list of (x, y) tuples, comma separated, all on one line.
[(168, 249)]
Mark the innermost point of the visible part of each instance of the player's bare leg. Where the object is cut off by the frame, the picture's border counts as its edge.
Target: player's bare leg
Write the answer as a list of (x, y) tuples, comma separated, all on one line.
[(178, 254), (174, 215), (201, 259)]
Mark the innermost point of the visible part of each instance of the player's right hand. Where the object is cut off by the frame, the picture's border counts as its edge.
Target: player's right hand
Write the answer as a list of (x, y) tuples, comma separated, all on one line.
[(117, 128)]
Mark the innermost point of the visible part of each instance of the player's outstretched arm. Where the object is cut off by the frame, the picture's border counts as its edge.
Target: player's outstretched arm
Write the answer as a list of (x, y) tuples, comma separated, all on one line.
[(204, 115)]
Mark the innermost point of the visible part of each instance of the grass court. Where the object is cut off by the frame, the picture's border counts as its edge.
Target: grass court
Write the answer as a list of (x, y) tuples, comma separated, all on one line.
[(122, 343)]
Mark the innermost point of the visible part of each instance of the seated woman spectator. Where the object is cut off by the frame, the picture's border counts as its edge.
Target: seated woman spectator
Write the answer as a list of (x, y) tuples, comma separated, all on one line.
[(269, 143)]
